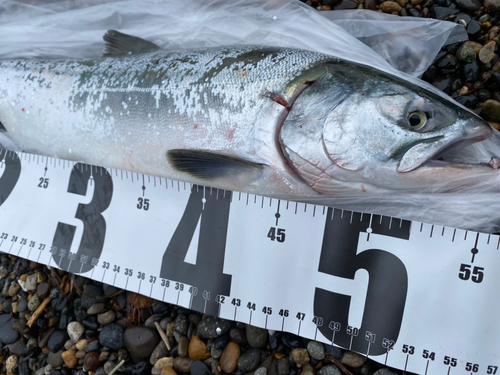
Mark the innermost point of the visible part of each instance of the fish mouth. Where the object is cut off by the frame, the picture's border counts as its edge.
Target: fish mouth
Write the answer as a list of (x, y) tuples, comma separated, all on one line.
[(430, 152)]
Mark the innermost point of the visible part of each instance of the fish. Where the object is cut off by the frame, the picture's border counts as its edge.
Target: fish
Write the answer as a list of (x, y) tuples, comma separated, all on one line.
[(278, 122)]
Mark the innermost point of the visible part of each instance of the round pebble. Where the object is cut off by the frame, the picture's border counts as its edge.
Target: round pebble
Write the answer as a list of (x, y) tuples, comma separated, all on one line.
[(353, 359), (249, 360), (229, 357), (213, 327), (111, 336), (198, 349), (106, 318), (316, 350), (141, 341), (300, 356), (256, 336), (75, 330), (329, 370)]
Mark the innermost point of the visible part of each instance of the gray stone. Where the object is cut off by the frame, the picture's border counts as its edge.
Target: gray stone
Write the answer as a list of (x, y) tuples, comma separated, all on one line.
[(492, 5), (34, 302), (249, 360), (182, 349), (55, 359), (316, 350), (75, 331), (333, 351), (181, 324), (283, 366), (466, 53), (159, 352), (109, 366), (7, 334), (385, 371), (17, 347), (31, 282), (257, 337), (106, 318), (261, 371), (89, 292), (96, 308), (111, 336), (141, 342), (471, 5), (329, 370), (212, 327), (57, 340)]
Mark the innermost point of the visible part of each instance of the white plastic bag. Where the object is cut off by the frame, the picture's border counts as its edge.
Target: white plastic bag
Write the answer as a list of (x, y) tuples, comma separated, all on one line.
[(74, 29)]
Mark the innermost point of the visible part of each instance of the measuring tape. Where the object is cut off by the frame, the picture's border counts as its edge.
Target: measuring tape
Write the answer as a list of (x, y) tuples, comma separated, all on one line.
[(418, 297)]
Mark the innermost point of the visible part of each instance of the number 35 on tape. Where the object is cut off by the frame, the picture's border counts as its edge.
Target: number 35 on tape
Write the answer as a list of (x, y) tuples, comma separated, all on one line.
[(417, 297)]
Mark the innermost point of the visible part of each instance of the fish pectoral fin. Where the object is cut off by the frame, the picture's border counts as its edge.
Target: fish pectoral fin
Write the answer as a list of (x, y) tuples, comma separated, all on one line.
[(213, 166), (118, 44)]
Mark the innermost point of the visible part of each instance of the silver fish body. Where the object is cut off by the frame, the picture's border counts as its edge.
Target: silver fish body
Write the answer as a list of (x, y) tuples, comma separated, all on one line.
[(272, 121)]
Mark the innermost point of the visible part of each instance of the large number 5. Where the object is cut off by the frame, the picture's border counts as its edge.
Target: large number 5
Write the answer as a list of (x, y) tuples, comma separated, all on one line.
[(387, 285), (94, 226)]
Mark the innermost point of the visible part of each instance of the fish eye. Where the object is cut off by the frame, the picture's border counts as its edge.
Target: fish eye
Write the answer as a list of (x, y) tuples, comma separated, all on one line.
[(417, 120)]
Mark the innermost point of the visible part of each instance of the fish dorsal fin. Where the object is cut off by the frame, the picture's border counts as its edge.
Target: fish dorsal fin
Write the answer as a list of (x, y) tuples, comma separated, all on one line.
[(118, 44), (212, 166)]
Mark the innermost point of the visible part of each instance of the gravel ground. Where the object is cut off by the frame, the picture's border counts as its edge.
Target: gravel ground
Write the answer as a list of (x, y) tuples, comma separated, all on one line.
[(50, 322)]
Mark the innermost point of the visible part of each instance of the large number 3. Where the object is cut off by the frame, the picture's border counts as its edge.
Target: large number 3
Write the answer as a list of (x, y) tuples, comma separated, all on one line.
[(387, 285), (94, 225)]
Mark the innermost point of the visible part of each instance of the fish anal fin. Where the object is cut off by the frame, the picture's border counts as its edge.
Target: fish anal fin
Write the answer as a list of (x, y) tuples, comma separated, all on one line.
[(212, 166), (118, 43)]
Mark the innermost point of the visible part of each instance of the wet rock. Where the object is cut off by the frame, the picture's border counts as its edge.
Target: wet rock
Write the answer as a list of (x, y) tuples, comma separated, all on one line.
[(333, 351), (13, 289), (199, 368), (353, 359), (162, 363), (69, 358), (168, 371), (42, 290), (491, 110), (249, 360), (487, 53), (33, 303), (283, 366), (213, 327), (7, 334), (256, 336), (159, 352), (55, 359), (371, 4), (75, 331), (300, 356), (198, 349), (141, 342), (290, 340), (440, 12), (471, 71), (469, 101), (183, 346), (31, 282), (473, 30), (106, 318), (316, 350), (449, 62), (470, 5), (91, 291), (229, 357), (466, 53), (57, 340), (141, 368), (96, 308), (238, 336), (329, 370), (93, 345), (111, 336), (221, 341), (91, 361), (492, 5), (181, 324), (182, 364), (389, 7), (11, 362)]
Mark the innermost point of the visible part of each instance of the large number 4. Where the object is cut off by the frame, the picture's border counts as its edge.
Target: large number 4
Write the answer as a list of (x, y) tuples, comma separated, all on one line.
[(387, 285)]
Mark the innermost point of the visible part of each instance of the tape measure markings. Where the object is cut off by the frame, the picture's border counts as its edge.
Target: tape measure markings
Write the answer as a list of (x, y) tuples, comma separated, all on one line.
[(366, 282)]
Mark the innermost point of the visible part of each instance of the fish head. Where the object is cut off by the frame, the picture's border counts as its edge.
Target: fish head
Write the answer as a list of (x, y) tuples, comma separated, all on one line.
[(366, 130)]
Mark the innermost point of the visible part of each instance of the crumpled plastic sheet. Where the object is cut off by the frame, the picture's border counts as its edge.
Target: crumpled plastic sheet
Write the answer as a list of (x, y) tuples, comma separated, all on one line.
[(74, 29)]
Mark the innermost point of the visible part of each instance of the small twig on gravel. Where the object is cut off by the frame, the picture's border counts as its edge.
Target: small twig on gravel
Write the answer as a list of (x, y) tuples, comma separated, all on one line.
[(339, 365), (38, 311), (117, 367), (163, 336)]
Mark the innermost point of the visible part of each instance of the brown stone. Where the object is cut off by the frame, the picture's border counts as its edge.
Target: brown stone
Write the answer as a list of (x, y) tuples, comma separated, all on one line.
[(69, 358), (353, 359), (229, 358), (182, 364), (198, 349), (168, 371), (91, 362), (491, 110), (389, 7), (371, 4), (13, 289), (300, 356)]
